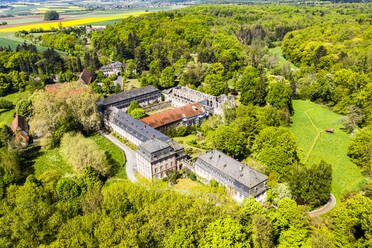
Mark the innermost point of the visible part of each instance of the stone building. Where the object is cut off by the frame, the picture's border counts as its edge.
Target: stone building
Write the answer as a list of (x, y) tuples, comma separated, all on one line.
[(156, 157), (190, 114), (112, 69), (181, 96), (240, 180), (144, 96), (156, 153)]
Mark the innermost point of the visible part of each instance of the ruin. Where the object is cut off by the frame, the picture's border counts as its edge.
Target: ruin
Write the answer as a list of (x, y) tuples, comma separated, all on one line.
[(182, 95)]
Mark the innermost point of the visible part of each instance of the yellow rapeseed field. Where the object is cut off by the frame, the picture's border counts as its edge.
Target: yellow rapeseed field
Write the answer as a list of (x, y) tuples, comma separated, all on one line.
[(50, 25)]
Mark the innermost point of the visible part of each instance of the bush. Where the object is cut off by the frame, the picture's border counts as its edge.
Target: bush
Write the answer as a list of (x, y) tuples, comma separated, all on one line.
[(24, 108)]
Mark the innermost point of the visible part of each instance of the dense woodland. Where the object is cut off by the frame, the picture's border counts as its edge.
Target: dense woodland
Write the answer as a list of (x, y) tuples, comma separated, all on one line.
[(217, 49)]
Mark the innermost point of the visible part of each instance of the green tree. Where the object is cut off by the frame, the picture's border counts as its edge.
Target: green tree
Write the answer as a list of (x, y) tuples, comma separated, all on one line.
[(215, 84), (24, 108), (167, 77), (138, 113), (229, 139), (133, 105), (225, 232), (279, 95), (51, 15), (360, 148), (276, 147), (262, 232), (311, 185)]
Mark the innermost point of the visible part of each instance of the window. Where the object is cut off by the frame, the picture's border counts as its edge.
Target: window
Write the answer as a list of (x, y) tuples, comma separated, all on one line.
[(161, 168), (156, 170)]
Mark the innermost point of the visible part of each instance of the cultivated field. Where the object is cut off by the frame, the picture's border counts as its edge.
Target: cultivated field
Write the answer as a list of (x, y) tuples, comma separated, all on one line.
[(309, 122), (58, 24)]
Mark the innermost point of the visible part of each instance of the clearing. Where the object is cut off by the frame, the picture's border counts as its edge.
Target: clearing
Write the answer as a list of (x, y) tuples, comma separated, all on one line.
[(309, 123)]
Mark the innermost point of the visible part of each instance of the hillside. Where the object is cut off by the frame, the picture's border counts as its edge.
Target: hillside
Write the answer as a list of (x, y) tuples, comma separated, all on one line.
[(311, 120)]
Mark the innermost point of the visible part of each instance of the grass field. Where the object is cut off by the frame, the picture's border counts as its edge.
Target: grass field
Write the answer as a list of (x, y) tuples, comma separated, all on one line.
[(281, 60), (309, 122), (6, 117), (51, 160)]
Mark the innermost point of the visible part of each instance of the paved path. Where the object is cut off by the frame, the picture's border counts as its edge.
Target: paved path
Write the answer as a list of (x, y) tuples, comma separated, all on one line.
[(131, 165), (330, 204)]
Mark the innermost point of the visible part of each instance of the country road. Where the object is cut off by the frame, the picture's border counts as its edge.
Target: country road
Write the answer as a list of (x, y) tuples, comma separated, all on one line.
[(326, 208), (131, 165)]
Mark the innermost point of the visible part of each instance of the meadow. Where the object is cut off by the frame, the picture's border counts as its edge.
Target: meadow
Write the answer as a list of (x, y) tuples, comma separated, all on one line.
[(6, 117), (309, 123), (52, 160)]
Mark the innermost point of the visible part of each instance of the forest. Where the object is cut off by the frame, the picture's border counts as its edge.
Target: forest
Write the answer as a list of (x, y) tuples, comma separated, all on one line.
[(265, 55)]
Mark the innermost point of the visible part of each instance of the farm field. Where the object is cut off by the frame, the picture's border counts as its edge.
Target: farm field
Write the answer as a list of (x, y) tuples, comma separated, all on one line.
[(309, 121), (58, 24)]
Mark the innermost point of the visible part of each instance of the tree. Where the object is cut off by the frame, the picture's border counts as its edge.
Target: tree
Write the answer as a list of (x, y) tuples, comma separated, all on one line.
[(215, 84), (311, 185), (229, 139), (249, 85), (133, 105), (360, 148), (81, 152), (262, 232), (138, 113), (51, 15), (24, 108), (167, 77), (276, 147), (225, 232), (281, 191), (279, 95)]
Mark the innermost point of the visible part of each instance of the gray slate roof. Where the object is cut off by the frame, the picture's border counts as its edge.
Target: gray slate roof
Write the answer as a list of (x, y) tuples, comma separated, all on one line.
[(129, 94), (224, 165), (135, 127), (154, 145)]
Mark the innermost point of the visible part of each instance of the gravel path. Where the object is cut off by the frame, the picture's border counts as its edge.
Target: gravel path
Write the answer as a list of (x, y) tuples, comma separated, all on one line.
[(330, 204), (131, 165)]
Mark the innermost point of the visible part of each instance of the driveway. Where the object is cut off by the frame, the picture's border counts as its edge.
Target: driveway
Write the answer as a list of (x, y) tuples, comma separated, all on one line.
[(326, 208), (131, 165)]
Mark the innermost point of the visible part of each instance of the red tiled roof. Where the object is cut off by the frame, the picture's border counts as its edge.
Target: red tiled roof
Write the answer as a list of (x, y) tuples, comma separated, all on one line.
[(170, 116)]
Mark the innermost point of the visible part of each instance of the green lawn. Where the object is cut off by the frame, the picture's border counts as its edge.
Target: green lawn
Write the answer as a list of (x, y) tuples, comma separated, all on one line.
[(281, 60), (114, 154), (51, 160), (6, 117), (331, 148)]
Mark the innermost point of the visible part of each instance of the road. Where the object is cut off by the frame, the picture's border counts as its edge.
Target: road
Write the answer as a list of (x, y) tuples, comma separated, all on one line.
[(330, 204), (131, 165)]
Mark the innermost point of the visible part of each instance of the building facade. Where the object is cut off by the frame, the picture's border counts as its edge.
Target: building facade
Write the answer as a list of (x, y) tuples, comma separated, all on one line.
[(144, 96), (156, 154), (112, 69), (240, 180), (181, 96)]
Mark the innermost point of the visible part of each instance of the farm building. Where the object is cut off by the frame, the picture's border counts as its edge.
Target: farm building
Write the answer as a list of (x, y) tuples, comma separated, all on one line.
[(240, 180)]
